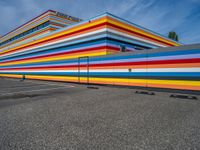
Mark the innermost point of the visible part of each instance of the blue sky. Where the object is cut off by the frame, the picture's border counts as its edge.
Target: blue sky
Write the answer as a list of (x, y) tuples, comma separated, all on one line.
[(162, 16)]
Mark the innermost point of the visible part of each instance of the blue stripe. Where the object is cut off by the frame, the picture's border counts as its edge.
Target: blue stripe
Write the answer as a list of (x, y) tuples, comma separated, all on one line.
[(40, 52), (115, 74)]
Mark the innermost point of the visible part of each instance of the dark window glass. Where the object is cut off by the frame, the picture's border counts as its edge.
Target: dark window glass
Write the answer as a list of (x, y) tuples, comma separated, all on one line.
[(122, 48), (26, 33)]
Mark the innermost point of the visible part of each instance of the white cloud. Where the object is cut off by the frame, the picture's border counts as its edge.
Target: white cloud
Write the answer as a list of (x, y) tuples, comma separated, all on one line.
[(120, 8)]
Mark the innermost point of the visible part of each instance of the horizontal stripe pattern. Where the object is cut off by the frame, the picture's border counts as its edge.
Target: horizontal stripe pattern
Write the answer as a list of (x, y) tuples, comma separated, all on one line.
[(89, 52)]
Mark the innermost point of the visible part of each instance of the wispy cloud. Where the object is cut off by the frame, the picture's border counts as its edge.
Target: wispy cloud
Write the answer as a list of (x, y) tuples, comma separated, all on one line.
[(157, 15)]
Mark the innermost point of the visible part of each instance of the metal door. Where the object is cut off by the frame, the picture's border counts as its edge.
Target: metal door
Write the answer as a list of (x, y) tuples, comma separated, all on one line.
[(83, 69)]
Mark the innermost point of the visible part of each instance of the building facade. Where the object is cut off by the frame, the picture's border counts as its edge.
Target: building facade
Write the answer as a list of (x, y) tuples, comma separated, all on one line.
[(104, 50)]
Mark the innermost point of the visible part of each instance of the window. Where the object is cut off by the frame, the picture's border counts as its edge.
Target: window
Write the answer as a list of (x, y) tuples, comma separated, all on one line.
[(122, 48), (26, 33)]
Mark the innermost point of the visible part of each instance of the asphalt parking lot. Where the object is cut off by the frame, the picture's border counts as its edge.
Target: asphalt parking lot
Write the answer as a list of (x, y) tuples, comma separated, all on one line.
[(51, 115)]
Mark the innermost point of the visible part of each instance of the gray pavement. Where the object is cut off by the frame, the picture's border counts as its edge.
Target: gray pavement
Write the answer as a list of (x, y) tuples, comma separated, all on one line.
[(50, 115)]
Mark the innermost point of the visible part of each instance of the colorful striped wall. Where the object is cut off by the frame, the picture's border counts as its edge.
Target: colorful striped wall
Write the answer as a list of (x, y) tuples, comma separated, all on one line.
[(88, 52), (174, 68)]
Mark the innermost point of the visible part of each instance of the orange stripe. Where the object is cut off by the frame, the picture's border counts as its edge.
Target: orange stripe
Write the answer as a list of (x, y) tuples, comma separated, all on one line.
[(174, 86)]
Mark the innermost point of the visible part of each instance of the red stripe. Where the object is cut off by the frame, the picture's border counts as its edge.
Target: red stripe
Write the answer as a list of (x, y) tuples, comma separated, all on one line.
[(150, 62), (196, 60)]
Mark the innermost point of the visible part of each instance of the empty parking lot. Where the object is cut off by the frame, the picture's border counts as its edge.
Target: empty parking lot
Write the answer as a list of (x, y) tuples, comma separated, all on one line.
[(52, 115)]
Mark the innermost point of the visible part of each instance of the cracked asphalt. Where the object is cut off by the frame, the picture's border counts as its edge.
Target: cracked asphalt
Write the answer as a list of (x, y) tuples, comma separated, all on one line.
[(66, 116)]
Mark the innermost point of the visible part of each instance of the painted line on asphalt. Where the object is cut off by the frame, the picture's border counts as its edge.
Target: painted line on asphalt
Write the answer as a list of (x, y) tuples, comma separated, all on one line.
[(30, 91), (23, 87), (36, 82), (45, 82)]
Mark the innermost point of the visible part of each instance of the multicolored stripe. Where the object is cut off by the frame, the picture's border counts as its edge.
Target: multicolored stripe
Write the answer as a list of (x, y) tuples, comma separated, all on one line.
[(88, 52)]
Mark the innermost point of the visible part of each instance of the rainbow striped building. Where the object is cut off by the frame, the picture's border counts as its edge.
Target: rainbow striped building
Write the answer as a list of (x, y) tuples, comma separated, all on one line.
[(104, 50)]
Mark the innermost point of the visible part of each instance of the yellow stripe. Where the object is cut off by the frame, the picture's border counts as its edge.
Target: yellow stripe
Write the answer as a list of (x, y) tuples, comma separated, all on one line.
[(11, 76), (175, 82), (56, 58)]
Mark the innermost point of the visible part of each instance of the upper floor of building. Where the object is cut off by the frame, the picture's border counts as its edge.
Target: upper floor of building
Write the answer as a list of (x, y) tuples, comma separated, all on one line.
[(101, 35), (44, 23)]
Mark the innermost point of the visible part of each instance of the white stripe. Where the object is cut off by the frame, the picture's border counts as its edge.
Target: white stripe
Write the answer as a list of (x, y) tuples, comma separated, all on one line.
[(117, 70)]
